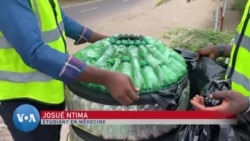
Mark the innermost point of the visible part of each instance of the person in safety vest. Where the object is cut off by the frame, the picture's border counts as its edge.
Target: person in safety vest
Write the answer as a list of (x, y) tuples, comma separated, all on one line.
[(237, 100), (34, 64)]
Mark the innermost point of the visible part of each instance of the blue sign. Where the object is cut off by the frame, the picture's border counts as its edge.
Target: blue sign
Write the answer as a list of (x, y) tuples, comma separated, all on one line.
[(26, 118)]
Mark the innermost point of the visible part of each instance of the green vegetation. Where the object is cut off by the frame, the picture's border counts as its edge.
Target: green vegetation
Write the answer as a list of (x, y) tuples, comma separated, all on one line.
[(193, 39), (239, 5), (160, 2)]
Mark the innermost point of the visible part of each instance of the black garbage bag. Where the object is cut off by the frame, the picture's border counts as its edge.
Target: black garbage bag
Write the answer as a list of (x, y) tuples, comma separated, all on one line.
[(201, 72), (197, 133), (226, 132), (242, 129), (207, 76), (205, 132), (207, 70)]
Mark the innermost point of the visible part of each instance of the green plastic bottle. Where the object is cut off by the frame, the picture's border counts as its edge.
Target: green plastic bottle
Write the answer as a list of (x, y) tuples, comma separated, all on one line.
[(152, 60), (133, 51), (112, 40), (156, 53), (124, 42), (143, 52), (118, 42), (170, 76), (178, 57), (150, 78), (144, 42), (116, 65), (137, 76), (121, 50), (126, 67), (110, 63), (149, 40), (177, 65), (162, 77), (107, 54), (138, 42), (160, 46), (131, 42)]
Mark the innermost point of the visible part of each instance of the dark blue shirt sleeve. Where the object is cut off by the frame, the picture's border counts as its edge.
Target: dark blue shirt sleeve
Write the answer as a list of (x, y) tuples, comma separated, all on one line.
[(76, 31), (19, 26)]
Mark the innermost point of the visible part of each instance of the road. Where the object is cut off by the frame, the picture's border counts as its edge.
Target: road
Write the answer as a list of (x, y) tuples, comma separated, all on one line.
[(90, 12)]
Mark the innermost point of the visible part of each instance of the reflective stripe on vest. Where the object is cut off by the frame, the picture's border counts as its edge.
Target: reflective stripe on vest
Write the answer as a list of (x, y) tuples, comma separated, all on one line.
[(17, 80), (47, 36), (24, 77), (241, 79), (241, 74), (245, 42)]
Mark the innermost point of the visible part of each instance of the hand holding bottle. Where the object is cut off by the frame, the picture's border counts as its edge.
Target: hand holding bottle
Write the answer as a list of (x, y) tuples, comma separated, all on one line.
[(119, 85)]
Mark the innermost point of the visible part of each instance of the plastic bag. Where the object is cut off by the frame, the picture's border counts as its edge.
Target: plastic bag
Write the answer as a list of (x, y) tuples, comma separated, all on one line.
[(207, 132), (207, 70), (242, 128), (207, 76), (197, 133), (201, 72)]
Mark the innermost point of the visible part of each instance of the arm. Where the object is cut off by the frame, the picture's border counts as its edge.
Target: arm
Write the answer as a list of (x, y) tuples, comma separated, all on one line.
[(215, 51), (18, 24), (80, 33), (228, 49)]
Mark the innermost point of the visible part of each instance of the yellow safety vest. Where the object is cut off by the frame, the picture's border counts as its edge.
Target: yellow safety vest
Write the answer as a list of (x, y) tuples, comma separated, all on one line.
[(240, 72), (17, 80)]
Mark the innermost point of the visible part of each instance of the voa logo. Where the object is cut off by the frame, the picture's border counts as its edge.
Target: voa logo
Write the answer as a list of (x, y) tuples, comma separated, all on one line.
[(26, 118)]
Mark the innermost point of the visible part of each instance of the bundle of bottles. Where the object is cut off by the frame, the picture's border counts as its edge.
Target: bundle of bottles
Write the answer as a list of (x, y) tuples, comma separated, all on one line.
[(150, 63)]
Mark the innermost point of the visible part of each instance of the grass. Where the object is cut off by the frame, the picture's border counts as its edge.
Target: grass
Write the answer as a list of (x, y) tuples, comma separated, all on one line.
[(160, 2), (194, 39), (239, 5)]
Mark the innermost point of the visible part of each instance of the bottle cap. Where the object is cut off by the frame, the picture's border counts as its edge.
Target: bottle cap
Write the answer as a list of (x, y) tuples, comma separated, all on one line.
[(126, 36), (111, 61), (138, 42), (131, 42), (118, 42), (143, 63), (124, 42), (140, 37), (125, 58), (112, 40), (131, 36), (119, 36)]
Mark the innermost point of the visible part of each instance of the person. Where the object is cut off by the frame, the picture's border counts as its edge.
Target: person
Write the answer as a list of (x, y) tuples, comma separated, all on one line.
[(34, 64), (237, 100)]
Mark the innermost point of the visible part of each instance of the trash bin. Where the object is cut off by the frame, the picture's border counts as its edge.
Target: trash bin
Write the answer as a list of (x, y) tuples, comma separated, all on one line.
[(159, 71)]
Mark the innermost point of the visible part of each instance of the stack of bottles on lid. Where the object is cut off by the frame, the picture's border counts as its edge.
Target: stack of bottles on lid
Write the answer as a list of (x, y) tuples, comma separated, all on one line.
[(150, 64), (159, 72)]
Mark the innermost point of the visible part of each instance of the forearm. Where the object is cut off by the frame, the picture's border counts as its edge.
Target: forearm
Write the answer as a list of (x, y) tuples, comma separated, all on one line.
[(81, 34), (96, 37), (94, 75)]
